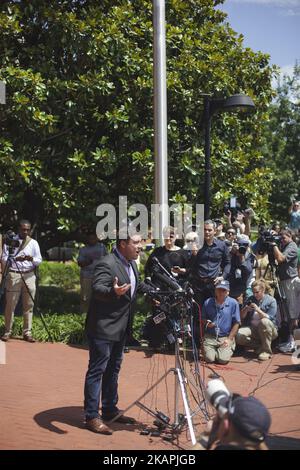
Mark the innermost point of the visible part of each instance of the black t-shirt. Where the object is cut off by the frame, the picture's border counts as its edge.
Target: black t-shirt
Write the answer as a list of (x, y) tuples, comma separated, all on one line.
[(168, 259)]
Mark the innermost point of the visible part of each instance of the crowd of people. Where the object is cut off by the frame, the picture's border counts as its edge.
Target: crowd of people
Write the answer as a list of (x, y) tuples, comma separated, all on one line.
[(237, 306)]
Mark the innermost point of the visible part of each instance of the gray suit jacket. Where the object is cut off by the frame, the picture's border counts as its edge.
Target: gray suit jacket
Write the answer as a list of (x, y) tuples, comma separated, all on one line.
[(109, 316)]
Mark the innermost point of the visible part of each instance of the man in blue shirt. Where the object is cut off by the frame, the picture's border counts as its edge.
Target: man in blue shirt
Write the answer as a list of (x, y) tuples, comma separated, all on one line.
[(221, 317), (260, 325), (211, 264)]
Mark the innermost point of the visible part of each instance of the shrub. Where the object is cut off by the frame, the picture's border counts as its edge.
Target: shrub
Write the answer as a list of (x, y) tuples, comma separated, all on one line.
[(54, 273), (63, 328)]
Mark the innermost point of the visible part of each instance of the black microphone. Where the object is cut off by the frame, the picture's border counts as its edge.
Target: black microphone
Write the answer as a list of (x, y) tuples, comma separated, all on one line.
[(150, 283), (166, 273), (169, 282), (156, 261)]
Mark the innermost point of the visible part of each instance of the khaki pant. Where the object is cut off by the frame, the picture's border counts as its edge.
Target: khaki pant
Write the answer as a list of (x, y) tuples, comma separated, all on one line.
[(214, 353), (14, 288), (259, 337), (85, 293)]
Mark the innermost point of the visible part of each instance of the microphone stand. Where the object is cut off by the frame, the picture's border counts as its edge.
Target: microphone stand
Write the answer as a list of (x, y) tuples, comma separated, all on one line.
[(182, 382)]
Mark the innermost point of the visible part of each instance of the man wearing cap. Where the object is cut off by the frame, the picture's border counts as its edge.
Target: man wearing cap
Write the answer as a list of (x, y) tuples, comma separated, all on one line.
[(244, 427), (221, 319)]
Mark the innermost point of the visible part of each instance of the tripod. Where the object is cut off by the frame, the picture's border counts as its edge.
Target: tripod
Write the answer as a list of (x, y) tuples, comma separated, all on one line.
[(181, 385), (278, 293), (8, 265)]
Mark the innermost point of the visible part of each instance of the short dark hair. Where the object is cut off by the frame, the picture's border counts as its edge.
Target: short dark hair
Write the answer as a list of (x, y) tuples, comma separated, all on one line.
[(24, 222), (121, 237)]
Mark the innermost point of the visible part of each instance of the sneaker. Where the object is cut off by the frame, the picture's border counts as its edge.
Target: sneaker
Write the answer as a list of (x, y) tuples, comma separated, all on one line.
[(264, 356), (290, 346), (5, 337)]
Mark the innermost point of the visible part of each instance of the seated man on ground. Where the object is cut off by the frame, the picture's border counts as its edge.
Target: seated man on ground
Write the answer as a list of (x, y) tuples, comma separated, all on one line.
[(259, 318), (221, 317)]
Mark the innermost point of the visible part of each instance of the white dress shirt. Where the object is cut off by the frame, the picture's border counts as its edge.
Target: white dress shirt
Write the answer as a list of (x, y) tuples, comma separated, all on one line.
[(31, 249)]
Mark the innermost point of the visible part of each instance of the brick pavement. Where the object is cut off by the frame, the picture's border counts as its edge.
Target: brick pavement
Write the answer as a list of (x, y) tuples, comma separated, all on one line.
[(42, 387)]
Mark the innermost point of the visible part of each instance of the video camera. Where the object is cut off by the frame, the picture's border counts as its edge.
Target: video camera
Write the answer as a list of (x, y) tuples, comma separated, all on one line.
[(11, 240), (266, 241)]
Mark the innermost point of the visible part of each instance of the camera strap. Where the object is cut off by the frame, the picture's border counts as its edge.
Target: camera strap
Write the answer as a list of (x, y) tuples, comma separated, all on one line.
[(23, 245)]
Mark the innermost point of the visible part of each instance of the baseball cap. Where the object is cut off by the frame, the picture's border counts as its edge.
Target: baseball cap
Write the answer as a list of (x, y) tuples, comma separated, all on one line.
[(222, 285), (243, 239), (250, 417)]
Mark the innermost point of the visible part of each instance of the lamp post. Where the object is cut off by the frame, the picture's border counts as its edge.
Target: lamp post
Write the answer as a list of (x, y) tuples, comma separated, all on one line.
[(211, 106), (2, 93), (160, 114)]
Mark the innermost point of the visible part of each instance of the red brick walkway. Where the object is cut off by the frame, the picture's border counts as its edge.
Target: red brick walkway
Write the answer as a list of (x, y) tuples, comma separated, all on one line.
[(42, 386)]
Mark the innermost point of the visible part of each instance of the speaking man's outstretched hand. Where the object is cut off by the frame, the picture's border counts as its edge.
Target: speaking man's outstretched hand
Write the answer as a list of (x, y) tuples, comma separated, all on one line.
[(120, 290)]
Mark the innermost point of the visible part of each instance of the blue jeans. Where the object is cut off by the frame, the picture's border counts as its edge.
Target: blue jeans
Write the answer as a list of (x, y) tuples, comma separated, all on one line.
[(102, 377)]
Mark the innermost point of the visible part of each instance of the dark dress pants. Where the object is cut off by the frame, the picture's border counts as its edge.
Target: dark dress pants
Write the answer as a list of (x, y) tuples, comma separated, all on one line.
[(102, 377), (202, 291)]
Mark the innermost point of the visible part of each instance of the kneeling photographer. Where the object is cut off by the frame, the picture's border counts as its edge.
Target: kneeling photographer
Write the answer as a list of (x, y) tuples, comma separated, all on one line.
[(241, 423), (259, 325), (241, 270)]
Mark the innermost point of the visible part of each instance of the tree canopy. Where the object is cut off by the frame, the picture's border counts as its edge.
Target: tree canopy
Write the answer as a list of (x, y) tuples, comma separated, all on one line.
[(77, 129), (282, 145)]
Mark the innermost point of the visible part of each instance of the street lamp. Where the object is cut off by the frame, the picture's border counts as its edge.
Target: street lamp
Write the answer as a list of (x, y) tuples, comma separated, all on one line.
[(211, 106)]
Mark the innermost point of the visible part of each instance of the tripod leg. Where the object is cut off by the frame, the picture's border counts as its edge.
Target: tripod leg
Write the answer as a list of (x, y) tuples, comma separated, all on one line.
[(136, 402), (186, 406)]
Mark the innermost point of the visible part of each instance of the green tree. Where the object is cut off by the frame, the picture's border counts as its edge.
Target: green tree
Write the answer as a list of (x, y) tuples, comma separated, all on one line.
[(281, 148), (77, 129)]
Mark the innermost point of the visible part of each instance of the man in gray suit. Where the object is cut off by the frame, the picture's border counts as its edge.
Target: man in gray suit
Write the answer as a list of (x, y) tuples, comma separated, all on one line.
[(109, 318)]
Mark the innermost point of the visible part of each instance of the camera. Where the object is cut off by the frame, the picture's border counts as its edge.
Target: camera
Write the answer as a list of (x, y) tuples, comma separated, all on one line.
[(242, 248), (218, 396), (266, 240), (269, 237), (230, 207), (11, 239)]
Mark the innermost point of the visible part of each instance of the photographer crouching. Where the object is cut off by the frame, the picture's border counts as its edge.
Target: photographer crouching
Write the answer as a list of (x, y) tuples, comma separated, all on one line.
[(20, 256), (259, 324), (241, 423)]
